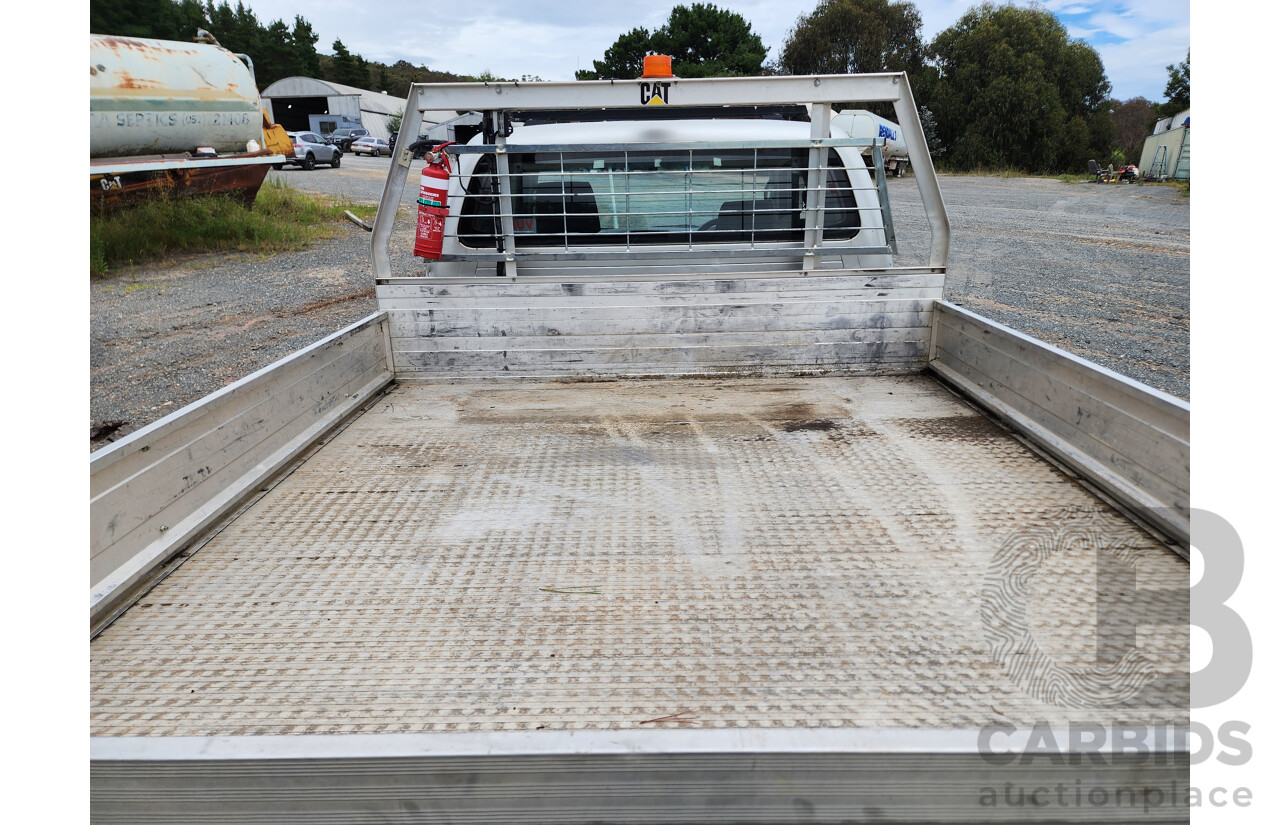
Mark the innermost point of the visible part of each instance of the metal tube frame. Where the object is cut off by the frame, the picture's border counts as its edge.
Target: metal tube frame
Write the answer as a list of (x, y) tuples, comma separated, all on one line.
[(877, 156), (820, 90), (815, 197), (815, 189)]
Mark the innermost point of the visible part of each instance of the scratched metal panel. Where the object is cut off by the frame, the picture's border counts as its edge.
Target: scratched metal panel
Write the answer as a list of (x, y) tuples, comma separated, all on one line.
[(156, 489), (155, 96), (813, 778), (348, 105), (1131, 440), (747, 554), (830, 323)]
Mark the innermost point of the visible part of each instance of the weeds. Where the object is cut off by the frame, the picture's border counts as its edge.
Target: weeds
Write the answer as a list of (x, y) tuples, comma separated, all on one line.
[(282, 218), (1007, 172), (1183, 186)]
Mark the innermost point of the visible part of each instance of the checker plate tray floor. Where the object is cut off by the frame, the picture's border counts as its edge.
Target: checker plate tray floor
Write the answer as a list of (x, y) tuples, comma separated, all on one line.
[(817, 552)]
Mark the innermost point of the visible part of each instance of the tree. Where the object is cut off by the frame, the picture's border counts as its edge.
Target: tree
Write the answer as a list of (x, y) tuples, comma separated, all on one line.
[(188, 18), (237, 29), (848, 36), (401, 74), (1013, 90), (1133, 120), (625, 58), (348, 69), (1178, 89), (135, 18), (304, 60), (272, 59), (276, 49), (707, 41), (703, 41), (160, 19)]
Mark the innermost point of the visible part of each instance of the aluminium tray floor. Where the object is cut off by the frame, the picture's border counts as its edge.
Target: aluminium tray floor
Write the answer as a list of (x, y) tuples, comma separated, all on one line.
[(812, 552)]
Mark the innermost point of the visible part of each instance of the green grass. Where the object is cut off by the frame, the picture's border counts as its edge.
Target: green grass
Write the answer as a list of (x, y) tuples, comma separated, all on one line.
[(1183, 186), (282, 219), (1007, 172)]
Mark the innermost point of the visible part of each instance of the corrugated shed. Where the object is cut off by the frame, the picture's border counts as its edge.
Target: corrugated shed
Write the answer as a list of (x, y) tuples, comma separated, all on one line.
[(376, 108), (1168, 162), (1165, 124)]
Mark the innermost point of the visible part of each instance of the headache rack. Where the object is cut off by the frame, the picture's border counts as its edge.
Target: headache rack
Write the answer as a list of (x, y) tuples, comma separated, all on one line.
[(800, 203), (681, 195)]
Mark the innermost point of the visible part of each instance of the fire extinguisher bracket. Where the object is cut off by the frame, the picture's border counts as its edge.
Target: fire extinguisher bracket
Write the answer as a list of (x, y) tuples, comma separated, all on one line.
[(433, 204)]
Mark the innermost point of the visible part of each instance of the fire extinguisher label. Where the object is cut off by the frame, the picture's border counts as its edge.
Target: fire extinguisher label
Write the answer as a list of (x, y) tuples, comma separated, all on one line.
[(430, 234), (431, 226)]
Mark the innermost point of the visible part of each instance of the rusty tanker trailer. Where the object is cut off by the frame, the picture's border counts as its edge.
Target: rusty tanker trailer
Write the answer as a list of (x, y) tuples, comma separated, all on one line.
[(169, 118)]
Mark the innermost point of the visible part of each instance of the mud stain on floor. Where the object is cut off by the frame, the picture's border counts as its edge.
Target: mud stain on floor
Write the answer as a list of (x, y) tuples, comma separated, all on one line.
[(972, 427)]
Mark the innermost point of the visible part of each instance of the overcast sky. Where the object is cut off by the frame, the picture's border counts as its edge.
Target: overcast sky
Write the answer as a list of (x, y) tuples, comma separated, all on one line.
[(551, 39)]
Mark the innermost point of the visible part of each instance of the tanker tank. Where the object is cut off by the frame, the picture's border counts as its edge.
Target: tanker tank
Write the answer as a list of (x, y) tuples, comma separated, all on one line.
[(859, 123), (154, 97)]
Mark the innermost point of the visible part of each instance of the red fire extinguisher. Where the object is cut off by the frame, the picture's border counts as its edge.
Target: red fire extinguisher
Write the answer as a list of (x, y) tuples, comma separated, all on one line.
[(433, 204)]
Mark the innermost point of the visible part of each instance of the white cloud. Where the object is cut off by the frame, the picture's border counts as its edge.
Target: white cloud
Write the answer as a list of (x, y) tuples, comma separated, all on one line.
[(1068, 6), (1121, 25), (937, 15), (552, 39), (1137, 68)]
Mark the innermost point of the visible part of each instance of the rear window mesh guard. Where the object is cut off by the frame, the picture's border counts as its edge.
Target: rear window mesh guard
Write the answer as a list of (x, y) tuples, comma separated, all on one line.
[(752, 194)]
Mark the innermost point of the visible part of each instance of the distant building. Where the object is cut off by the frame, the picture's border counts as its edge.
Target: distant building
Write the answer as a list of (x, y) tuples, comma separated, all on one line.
[(1167, 152), (307, 103), (302, 103)]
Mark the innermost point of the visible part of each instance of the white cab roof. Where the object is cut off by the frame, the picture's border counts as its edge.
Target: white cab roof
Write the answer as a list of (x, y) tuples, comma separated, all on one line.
[(657, 131)]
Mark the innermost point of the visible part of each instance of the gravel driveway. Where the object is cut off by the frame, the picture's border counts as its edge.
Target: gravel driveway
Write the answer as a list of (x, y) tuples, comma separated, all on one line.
[(1102, 271), (163, 337)]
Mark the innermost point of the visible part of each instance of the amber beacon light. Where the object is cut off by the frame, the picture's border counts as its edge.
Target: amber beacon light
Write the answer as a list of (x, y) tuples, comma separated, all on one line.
[(657, 65)]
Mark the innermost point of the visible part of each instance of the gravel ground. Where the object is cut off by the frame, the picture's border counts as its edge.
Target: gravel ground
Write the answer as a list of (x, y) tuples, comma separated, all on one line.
[(162, 337), (359, 178), (1102, 271)]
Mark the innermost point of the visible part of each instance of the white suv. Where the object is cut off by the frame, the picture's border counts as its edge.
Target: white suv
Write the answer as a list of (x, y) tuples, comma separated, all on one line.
[(309, 149)]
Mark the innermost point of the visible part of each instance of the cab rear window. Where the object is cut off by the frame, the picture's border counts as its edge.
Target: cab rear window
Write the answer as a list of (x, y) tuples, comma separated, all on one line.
[(745, 195)]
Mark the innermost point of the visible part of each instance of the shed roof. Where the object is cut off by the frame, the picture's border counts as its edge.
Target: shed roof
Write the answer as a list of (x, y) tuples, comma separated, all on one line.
[(298, 86), (372, 102)]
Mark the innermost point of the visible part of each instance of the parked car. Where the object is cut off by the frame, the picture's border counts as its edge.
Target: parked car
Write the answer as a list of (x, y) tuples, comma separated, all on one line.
[(344, 137), (371, 146), (310, 149)]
